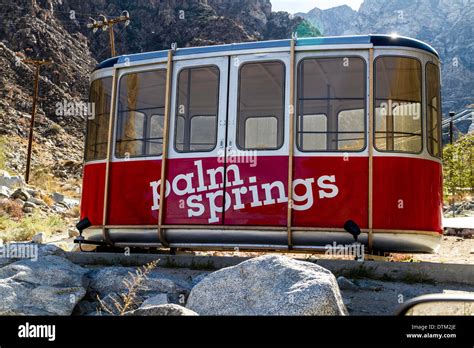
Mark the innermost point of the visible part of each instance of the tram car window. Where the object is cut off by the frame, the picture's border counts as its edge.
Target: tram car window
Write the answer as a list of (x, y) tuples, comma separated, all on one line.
[(398, 122), (140, 114), (197, 109), (261, 110), (433, 110), (98, 124), (331, 104)]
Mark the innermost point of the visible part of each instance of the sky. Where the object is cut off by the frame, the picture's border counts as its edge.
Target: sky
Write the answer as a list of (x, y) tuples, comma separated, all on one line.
[(293, 6)]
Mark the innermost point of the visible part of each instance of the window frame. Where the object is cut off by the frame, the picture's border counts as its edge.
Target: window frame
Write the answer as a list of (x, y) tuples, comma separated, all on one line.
[(366, 108), (422, 102), (146, 124), (440, 115), (237, 118), (176, 115)]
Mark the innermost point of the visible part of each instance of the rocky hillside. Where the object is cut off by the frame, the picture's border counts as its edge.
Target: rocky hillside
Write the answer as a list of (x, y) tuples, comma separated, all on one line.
[(445, 24), (57, 30)]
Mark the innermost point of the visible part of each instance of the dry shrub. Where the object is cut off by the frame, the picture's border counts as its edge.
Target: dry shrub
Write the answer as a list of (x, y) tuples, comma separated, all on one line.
[(11, 208), (129, 299)]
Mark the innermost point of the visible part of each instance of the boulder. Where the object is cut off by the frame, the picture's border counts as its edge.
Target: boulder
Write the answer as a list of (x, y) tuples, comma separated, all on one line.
[(39, 238), (268, 285), (110, 280), (52, 285), (156, 300), (5, 192), (12, 252), (346, 284), (21, 193), (27, 210), (10, 181), (36, 201), (57, 197), (162, 310), (195, 280), (29, 204)]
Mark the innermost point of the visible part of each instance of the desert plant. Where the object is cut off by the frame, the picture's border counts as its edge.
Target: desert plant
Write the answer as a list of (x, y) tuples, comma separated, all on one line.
[(24, 229), (127, 300), (458, 166), (3, 161)]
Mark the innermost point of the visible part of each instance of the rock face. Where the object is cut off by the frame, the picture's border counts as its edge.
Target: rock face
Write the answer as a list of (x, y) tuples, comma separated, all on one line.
[(268, 285), (162, 310), (49, 286), (444, 24)]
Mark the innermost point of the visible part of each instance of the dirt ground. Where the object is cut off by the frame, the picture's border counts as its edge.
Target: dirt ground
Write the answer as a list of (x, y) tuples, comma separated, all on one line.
[(451, 250), (383, 298)]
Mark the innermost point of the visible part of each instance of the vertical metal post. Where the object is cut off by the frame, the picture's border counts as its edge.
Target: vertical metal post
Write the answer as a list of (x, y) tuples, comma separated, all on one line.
[(110, 139), (291, 142), (451, 126), (169, 77), (371, 138)]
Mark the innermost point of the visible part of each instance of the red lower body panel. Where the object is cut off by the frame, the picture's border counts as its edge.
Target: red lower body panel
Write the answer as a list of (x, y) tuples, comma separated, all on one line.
[(328, 191)]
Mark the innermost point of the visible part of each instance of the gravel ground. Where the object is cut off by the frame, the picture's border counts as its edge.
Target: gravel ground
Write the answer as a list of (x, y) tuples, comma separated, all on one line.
[(383, 298), (451, 250)]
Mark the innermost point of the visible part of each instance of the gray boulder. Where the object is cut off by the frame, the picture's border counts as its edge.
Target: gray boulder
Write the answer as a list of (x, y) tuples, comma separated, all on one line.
[(21, 193), (5, 192), (52, 285), (156, 300), (111, 280), (39, 238), (346, 284), (12, 252), (195, 280), (268, 285), (162, 310), (10, 181)]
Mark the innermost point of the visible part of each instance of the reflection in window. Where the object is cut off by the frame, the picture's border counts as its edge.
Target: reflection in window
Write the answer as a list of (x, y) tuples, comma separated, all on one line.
[(331, 104), (197, 109), (261, 106), (98, 125), (433, 110), (398, 104), (140, 114)]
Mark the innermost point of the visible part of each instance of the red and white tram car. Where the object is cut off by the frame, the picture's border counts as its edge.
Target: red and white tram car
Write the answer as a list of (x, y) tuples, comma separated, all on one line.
[(347, 127)]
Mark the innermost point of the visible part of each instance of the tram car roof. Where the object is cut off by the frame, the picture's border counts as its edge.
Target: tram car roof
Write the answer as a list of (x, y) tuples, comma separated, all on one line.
[(345, 42)]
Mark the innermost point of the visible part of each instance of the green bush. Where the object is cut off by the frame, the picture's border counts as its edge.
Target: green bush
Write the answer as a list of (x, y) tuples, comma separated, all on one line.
[(458, 167)]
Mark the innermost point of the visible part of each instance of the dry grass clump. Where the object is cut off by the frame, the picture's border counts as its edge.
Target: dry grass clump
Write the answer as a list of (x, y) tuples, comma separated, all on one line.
[(129, 299), (25, 228)]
